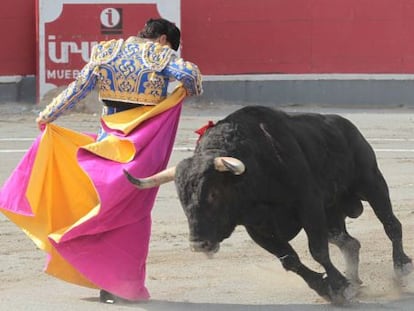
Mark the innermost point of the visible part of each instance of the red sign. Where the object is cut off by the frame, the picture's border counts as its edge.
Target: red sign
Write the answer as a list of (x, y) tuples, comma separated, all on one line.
[(68, 30)]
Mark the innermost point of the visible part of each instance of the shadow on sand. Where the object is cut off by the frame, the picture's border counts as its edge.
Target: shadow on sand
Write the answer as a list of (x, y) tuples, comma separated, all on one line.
[(158, 305)]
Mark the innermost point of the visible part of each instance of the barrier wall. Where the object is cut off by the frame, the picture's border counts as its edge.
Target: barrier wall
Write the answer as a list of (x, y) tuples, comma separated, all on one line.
[(299, 36), (18, 33), (261, 36), (227, 38)]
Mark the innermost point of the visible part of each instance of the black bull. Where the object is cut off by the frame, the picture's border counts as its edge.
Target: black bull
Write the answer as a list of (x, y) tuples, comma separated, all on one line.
[(277, 173)]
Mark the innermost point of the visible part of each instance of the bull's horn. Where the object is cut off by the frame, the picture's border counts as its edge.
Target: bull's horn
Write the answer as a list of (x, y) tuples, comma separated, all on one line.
[(225, 164), (156, 180)]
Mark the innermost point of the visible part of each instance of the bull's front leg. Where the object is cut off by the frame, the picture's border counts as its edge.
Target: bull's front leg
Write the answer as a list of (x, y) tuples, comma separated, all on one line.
[(290, 261)]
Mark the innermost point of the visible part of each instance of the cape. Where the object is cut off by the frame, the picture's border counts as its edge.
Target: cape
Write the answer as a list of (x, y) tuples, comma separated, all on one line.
[(70, 196)]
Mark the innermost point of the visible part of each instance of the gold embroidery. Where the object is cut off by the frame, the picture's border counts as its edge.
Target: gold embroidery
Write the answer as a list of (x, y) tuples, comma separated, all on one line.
[(124, 76), (156, 56), (104, 81), (154, 85), (105, 51)]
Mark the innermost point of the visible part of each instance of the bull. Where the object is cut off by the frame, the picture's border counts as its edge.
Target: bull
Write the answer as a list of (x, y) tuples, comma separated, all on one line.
[(276, 173)]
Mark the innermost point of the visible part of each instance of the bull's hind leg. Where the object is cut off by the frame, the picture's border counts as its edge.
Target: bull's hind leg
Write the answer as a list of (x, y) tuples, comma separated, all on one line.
[(375, 191), (291, 262), (315, 223), (339, 236), (349, 247)]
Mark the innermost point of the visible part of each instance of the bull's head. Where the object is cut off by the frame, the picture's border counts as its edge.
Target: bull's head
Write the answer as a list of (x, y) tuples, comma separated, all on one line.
[(207, 191)]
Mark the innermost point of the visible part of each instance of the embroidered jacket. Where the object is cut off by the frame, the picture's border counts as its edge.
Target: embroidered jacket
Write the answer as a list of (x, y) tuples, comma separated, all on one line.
[(132, 70)]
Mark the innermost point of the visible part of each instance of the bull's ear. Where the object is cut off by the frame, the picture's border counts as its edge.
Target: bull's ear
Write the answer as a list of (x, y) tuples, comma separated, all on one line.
[(229, 164)]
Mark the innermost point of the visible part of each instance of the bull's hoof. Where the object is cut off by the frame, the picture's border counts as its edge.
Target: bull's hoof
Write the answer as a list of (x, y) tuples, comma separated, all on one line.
[(356, 282), (354, 279), (321, 286), (343, 296), (403, 270)]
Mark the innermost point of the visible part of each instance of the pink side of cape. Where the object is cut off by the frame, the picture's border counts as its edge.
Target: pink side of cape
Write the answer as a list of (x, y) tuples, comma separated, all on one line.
[(13, 192)]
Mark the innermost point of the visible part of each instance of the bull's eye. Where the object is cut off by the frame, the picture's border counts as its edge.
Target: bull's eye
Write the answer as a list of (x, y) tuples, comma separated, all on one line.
[(211, 197)]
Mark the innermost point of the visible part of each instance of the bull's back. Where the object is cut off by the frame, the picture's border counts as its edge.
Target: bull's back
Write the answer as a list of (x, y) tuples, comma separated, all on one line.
[(329, 146)]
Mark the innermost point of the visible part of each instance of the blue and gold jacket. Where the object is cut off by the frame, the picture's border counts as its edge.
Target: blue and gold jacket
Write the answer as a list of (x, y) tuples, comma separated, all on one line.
[(134, 71)]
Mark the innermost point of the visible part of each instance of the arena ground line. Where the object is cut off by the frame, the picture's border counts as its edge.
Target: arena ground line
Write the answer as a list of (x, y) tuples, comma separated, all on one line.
[(192, 149)]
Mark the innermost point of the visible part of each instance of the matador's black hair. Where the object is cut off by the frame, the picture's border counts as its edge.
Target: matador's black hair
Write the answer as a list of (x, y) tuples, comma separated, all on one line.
[(157, 27)]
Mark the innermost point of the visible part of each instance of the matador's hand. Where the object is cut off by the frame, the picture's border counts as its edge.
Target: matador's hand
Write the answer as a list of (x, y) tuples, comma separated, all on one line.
[(41, 124)]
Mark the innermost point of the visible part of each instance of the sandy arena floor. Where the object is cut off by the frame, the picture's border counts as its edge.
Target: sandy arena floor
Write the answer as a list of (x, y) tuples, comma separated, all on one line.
[(242, 276)]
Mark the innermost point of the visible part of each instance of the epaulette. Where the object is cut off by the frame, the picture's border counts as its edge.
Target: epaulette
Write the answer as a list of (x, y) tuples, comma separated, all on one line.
[(156, 56), (106, 51)]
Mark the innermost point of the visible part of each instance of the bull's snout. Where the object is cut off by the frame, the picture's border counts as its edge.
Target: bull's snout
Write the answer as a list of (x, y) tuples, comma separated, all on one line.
[(205, 246)]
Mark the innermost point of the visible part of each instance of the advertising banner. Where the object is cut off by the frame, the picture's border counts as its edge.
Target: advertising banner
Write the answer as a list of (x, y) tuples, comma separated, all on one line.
[(68, 29)]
